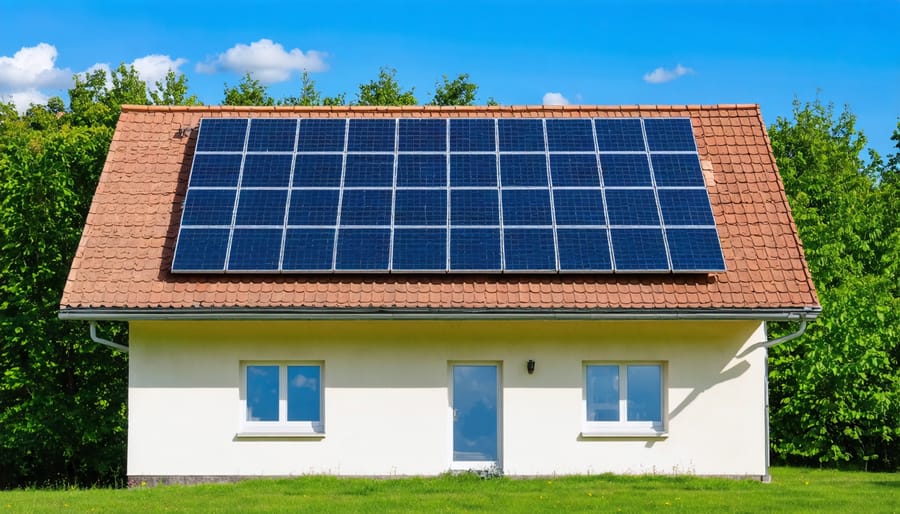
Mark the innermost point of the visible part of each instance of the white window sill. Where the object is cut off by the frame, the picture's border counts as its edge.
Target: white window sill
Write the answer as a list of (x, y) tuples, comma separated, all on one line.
[(274, 434), (623, 432)]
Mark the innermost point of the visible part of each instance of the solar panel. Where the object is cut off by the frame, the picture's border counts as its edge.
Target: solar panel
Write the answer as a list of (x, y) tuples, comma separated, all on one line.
[(434, 195)]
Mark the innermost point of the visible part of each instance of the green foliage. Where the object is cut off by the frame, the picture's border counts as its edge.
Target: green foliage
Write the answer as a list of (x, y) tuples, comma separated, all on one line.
[(385, 91), (835, 393), (62, 398), (249, 91), (310, 96), (459, 91), (173, 90), (94, 101)]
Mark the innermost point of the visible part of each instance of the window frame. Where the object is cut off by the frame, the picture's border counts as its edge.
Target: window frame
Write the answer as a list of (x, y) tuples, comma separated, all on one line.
[(623, 427), (282, 427)]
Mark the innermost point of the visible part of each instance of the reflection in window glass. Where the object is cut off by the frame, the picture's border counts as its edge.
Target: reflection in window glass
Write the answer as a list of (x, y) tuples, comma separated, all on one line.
[(475, 403), (303, 393), (262, 393), (644, 393), (603, 393)]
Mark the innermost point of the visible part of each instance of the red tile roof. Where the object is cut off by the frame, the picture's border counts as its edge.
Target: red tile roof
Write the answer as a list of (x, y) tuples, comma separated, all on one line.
[(121, 267)]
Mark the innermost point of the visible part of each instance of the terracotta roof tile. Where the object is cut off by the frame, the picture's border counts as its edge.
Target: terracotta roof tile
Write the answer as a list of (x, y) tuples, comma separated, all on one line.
[(123, 259)]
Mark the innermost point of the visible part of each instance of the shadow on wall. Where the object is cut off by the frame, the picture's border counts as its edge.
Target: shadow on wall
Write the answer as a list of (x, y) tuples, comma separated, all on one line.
[(725, 375)]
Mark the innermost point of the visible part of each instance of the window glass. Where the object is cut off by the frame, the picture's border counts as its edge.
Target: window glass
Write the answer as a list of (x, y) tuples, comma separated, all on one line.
[(262, 393), (303, 393), (644, 393), (603, 393)]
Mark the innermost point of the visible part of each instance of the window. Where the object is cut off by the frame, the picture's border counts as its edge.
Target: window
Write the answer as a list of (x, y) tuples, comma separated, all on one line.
[(624, 399), (281, 399)]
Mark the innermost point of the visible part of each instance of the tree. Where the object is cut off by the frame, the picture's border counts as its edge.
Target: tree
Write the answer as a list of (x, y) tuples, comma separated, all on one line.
[(385, 91), (249, 91), (459, 91), (94, 101), (835, 393), (173, 90), (310, 96), (62, 398)]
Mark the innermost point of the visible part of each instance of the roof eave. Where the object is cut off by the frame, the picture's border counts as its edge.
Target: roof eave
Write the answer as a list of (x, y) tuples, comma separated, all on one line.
[(245, 313)]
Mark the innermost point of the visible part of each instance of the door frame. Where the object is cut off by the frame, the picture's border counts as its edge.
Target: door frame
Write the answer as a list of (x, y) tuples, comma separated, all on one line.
[(468, 465)]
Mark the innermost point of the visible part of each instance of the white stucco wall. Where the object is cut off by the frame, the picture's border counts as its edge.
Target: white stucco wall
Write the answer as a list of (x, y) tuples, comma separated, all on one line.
[(387, 403)]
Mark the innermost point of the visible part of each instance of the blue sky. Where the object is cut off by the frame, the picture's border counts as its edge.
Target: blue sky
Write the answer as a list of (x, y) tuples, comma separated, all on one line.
[(655, 52)]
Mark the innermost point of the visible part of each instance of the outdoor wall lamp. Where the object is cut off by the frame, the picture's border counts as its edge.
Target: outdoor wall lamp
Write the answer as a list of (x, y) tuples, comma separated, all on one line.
[(530, 367)]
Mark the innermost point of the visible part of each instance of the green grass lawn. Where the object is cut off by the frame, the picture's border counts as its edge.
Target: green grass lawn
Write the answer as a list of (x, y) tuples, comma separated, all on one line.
[(791, 490)]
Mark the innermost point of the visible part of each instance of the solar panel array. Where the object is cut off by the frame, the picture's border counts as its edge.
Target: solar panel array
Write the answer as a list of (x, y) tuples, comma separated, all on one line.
[(446, 195)]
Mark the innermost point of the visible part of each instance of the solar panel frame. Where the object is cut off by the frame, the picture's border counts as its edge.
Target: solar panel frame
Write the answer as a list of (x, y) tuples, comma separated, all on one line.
[(440, 155)]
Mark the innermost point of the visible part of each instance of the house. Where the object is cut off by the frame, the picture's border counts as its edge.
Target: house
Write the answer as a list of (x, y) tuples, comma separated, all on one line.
[(260, 347)]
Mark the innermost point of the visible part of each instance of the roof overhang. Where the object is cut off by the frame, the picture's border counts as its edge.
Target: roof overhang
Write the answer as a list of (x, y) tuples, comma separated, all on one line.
[(114, 314)]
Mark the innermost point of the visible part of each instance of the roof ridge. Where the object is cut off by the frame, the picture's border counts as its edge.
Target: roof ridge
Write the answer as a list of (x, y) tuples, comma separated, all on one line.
[(432, 108)]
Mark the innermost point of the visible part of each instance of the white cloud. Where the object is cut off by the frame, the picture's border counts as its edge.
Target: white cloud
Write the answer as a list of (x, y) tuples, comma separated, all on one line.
[(660, 75), (555, 99), (32, 67), (29, 70), (23, 99), (266, 60), (153, 68)]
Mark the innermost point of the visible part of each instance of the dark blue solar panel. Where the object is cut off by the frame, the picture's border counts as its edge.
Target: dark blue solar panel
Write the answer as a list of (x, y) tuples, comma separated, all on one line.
[(255, 249), (583, 249), (308, 249), (475, 249), (526, 207), (215, 170), (677, 170), (266, 171), (521, 135), (631, 207), (221, 135), (570, 136), (523, 170), (639, 249), (529, 249), (421, 170), (272, 135), (363, 249), (313, 207), (625, 170), (420, 207), (474, 207), (208, 207), (619, 135), (318, 170), (391, 213), (695, 249), (473, 170), (685, 207), (429, 135), (472, 135), (201, 249), (670, 135), (321, 135), (367, 135), (579, 207), (261, 207), (568, 170), (420, 249), (369, 171), (366, 207)]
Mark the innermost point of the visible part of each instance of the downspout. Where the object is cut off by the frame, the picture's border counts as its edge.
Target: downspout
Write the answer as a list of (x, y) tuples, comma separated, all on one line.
[(97, 339), (767, 478)]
